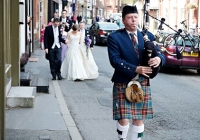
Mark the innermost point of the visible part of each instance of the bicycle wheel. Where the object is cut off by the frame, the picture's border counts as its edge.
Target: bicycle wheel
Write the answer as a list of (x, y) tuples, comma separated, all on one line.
[(170, 43), (159, 37)]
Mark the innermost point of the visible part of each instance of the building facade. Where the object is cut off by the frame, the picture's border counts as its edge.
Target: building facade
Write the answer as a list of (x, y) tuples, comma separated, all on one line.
[(174, 11)]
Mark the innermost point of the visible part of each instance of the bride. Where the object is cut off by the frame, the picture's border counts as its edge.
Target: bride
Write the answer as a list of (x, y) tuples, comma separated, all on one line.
[(72, 67), (88, 60)]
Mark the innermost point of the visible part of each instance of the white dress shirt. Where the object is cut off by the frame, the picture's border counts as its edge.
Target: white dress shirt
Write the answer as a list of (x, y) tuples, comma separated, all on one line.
[(64, 20), (56, 37), (82, 34)]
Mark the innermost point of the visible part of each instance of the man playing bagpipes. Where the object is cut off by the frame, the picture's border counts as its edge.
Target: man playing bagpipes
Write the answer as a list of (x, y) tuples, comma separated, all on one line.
[(131, 90)]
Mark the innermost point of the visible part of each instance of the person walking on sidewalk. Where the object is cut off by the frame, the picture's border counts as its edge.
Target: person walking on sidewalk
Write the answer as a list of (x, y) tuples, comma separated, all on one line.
[(79, 18), (64, 46), (42, 31), (125, 54), (52, 40)]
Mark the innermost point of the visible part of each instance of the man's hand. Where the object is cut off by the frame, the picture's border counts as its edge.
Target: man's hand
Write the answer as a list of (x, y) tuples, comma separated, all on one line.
[(144, 70), (46, 50), (67, 24), (155, 62)]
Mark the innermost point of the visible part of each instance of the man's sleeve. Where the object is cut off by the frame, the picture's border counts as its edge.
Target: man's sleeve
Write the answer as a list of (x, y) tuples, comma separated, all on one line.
[(46, 38), (91, 37)]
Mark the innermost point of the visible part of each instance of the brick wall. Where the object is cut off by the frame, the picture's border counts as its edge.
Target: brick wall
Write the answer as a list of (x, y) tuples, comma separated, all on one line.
[(36, 19)]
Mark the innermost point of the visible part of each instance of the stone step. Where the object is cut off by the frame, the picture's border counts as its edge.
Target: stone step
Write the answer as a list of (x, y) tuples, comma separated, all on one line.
[(25, 78), (41, 84), (21, 97)]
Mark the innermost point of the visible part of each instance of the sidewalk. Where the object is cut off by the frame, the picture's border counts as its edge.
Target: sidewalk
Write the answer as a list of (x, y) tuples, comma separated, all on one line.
[(48, 118)]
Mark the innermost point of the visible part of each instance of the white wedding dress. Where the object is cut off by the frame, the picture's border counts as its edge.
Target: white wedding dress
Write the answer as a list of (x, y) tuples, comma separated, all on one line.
[(72, 67), (89, 63)]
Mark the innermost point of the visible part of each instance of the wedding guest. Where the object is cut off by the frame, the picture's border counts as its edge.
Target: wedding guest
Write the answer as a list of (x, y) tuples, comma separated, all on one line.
[(42, 36), (64, 19), (63, 45), (79, 18), (74, 19), (86, 46), (29, 19), (51, 22)]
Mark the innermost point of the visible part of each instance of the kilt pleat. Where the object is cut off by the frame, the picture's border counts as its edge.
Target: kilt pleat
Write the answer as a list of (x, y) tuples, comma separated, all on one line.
[(123, 109)]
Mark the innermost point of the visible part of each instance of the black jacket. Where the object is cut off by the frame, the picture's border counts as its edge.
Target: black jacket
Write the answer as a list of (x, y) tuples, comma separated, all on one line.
[(88, 33), (49, 37), (69, 21)]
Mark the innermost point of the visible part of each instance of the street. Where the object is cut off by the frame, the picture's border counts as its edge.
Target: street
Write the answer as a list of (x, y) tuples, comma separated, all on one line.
[(175, 96), (33, 106)]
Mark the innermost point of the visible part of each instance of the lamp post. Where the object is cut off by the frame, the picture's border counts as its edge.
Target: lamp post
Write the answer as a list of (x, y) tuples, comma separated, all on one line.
[(64, 3)]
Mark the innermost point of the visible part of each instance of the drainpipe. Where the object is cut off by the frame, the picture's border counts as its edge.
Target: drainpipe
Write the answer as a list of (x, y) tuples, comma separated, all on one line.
[(2, 68)]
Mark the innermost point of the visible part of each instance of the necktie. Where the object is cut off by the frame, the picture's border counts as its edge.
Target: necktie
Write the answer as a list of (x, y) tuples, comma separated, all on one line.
[(134, 41)]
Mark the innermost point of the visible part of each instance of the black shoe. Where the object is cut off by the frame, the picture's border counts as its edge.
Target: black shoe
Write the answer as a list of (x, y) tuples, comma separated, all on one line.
[(59, 77), (53, 78), (77, 80)]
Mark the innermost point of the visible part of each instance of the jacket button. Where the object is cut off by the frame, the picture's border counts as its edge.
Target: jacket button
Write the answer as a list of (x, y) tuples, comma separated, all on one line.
[(121, 63), (128, 68)]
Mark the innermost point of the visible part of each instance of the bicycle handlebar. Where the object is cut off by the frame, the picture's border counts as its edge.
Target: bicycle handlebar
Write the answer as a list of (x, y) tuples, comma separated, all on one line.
[(182, 22)]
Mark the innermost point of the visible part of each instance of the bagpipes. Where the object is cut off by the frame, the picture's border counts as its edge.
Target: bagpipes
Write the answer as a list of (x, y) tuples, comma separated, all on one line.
[(149, 52), (162, 21), (149, 47)]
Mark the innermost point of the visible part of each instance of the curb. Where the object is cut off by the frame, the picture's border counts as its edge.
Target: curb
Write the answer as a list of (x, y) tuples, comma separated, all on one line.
[(69, 121)]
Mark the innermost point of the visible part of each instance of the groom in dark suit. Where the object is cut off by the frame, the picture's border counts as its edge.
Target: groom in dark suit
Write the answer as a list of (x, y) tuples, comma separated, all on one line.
[(86, 33), (52, 40)]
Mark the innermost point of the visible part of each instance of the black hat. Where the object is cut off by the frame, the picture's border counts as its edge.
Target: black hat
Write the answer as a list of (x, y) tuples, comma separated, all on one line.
[(129, 9)]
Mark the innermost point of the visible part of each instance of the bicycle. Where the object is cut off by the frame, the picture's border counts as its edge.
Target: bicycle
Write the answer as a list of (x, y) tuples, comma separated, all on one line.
[(181, 40)]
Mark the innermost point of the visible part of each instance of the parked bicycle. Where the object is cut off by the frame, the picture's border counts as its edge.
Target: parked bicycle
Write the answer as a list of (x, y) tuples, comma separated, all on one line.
[(181, 40)]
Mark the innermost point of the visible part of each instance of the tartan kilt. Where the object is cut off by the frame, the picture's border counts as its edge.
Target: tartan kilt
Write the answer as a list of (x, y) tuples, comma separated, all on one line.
[(123, 109)]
